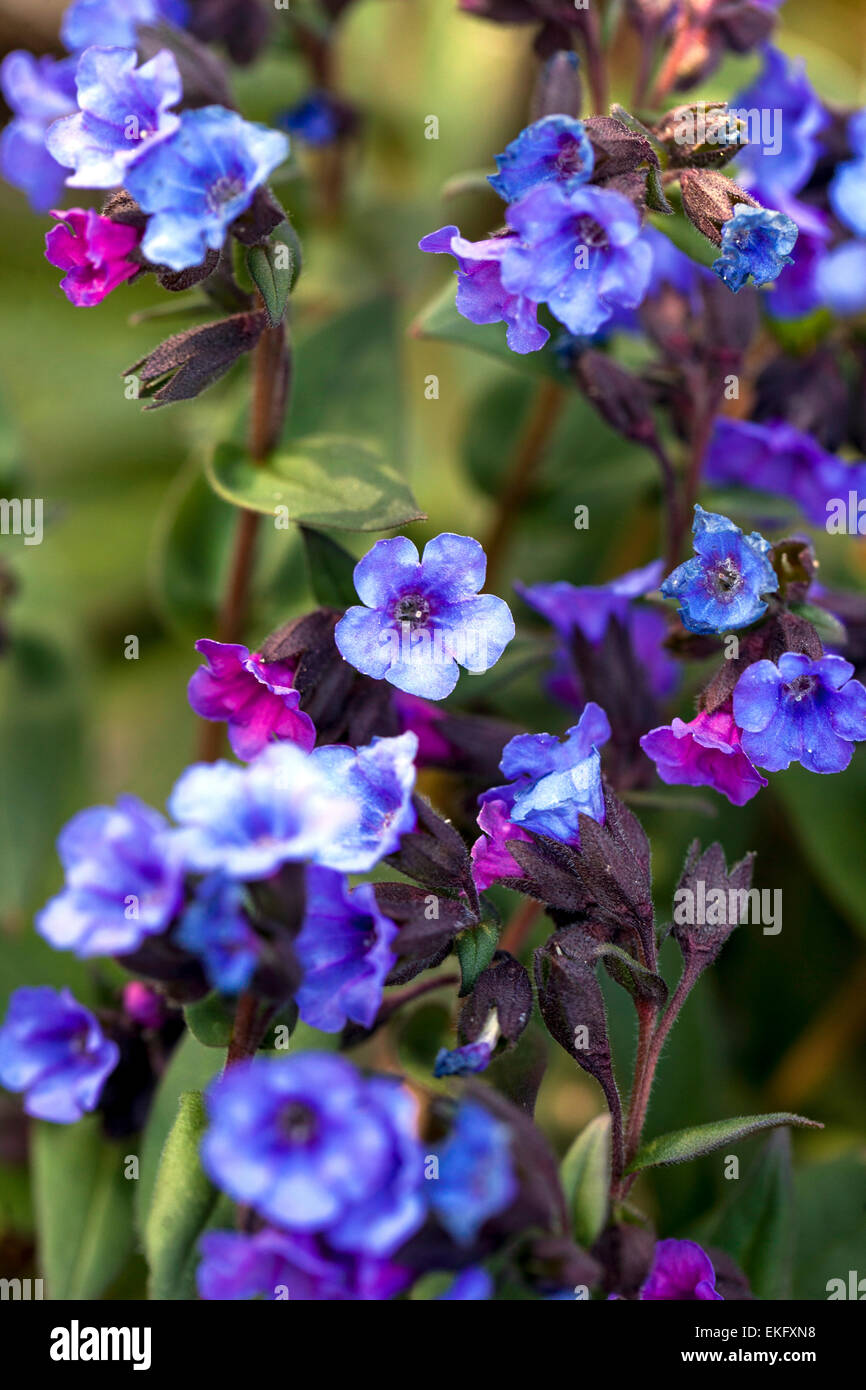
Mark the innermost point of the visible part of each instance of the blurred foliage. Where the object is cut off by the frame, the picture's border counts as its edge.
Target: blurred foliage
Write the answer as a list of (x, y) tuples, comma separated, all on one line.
[(136, 545)]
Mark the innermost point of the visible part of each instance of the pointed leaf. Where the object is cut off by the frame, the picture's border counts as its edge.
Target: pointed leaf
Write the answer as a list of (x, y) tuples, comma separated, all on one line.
[(642, 984), (184, 1203), (475, 949), (270, 267), (685, 1144), (83, 1207), (756, 1224), (585, 1177), (332, 480)]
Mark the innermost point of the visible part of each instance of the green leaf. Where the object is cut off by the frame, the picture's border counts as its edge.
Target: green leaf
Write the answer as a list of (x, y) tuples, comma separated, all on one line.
[(270, 268), (333, 481), (210, 1020), (441, 320), (184, 1203), (83, 1207), (756, 1223), (826, 624), (585, 1177), (331, 569), (475, 948), (642, 984), (685, 1144), (41, 754), (191, 1068)]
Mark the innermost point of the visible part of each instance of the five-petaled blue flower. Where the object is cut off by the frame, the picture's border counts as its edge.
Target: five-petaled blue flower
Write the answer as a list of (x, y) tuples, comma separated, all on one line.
[(53, 1050), (312, 1145), (476, 1173), (424, 617), (555, 149), (246, 821), (216, 928), (756, 242), (580, 250), (722, 586), (199, 181), (344, 949), (481, 295), (37, 91), (115, 22), (124, 110), (800, 711), (124, 881)]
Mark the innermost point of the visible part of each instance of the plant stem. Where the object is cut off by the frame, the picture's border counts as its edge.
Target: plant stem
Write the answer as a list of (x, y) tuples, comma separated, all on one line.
[(546, 408), (519, 926), (269, 392), (248, 1029)]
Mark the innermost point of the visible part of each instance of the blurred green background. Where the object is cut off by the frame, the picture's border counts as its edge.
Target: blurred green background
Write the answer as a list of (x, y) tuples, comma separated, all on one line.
[(135, 546)]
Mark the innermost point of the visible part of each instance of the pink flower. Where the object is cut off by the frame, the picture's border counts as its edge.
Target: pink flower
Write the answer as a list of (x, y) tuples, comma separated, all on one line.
[(706, 752), (95, 252), (491, 860), (256, 698)]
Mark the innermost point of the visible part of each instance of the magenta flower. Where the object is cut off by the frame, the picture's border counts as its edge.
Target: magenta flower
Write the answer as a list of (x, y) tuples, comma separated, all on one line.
[(705, 752), (491, 859), (681, 1270), (94, 251), (255, 697)]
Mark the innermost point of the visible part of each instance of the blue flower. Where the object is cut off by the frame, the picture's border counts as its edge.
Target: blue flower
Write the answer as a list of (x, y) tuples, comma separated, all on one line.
[(776, 164), (424, 617), (110, 22), (840, 278), (800, 711), (344, 951), (215, 928), (481, 295), (245, 822), (318, 119), (555, 782), (123, 881), (463, 1061), (756, 242), (199, 181), (848, 189), (471, 1285), (53, 1050), (476, 1174), (580, 251), (314, 1147), (721, 587), (378, 781), (37, 91), (273, 1264), (123, 112), (555, 149)]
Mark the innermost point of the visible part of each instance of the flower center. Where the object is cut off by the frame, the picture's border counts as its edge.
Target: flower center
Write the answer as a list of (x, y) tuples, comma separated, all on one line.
[(223, 190), (801, 688), (725, 579), (413, 609), (297, 1122), (569, 160), (590, 233)]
